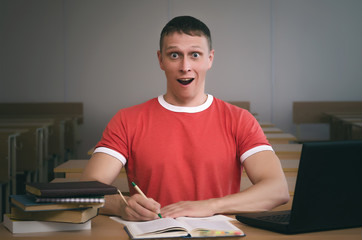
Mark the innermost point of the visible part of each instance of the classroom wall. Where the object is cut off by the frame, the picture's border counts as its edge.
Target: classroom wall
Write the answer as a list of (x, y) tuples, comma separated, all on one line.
[(103, 53)]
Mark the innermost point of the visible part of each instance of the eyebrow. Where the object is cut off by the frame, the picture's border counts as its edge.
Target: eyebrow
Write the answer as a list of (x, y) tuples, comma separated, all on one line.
[(175, 47)]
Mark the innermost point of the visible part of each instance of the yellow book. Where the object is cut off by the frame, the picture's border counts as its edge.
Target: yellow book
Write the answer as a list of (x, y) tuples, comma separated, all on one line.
[(67, 216)]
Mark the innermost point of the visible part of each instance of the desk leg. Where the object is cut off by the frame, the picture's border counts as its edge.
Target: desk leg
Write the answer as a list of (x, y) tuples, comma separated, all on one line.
[(40, 143), (61, 143), (12, 164), (46, 156)]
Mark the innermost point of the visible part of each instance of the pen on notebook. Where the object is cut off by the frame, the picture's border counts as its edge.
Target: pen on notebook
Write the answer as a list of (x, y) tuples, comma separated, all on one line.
[(143, 195)]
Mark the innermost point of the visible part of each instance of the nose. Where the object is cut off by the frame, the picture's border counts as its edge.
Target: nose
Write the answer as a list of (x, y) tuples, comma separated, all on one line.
[(185, 65)]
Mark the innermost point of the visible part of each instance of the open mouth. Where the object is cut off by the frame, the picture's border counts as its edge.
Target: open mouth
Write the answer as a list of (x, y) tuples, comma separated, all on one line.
[(185, 81)]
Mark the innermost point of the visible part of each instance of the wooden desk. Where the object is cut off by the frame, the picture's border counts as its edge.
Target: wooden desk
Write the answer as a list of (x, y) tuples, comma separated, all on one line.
[(62, 134), (342, 124), (8, 160), (35, 146), (272, 130), (288, 151), (280, 138), (70, 113), (107, 229), (266, 124)]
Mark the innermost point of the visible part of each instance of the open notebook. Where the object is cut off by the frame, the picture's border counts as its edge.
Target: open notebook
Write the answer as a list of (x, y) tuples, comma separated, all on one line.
[(328, 191), (215, 226)]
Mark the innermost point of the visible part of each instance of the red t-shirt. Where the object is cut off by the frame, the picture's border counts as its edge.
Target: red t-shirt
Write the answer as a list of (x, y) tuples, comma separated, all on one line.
[(183, 153)]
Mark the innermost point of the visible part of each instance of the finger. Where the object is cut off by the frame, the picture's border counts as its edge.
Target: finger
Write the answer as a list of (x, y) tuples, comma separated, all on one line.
[(174, 210), (132, 215), (143, 208), (156, 206), (148, 203)]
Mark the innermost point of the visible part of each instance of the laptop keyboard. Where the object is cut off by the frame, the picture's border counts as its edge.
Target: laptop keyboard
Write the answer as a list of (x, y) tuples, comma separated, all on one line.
[(276, 218)]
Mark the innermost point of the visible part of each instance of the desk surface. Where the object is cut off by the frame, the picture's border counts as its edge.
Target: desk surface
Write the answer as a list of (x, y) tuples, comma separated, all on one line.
[(272, 130), (280, 138), (105, 228)]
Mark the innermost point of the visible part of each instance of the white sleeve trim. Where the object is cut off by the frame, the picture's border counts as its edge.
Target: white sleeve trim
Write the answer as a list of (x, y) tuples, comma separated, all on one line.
[(255, 150), (113, 153)]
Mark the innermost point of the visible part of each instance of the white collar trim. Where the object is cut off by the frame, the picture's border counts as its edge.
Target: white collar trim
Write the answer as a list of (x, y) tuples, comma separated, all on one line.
[(196, 109)]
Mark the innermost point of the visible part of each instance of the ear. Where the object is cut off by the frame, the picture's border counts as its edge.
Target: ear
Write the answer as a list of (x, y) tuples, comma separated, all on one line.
[(159, 56), (211, 58)]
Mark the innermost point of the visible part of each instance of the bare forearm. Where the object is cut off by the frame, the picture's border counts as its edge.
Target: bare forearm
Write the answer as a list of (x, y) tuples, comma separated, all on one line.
[(113, 205), (261, 197)]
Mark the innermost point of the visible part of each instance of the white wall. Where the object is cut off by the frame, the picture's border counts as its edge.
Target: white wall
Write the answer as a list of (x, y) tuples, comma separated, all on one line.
[(103, 53)]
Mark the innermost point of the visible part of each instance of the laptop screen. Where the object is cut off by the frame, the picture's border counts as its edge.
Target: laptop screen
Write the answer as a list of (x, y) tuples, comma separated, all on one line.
[(328, 191)]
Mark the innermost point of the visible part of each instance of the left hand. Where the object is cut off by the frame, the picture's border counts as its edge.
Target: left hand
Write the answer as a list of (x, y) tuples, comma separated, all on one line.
[(202, 208)]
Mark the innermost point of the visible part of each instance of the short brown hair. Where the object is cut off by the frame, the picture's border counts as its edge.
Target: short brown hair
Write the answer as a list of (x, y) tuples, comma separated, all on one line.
[(188, 25)]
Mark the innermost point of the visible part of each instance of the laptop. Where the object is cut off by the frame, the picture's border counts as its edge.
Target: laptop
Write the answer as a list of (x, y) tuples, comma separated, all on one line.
[(328, 191)]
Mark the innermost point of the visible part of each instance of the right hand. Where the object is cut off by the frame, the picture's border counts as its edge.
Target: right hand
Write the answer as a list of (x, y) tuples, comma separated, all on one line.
[(140, 209)]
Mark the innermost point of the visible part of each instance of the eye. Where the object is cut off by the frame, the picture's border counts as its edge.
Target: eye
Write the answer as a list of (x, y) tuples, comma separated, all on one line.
[(195, 55), (174, 55)]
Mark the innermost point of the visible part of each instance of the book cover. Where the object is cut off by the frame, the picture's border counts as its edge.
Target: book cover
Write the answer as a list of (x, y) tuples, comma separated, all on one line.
[(70, 189), (66, 216), (16, 226), (182, 227), (28, 203)]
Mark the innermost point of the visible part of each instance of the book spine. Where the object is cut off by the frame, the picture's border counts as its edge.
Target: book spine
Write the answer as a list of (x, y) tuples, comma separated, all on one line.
[(70, 200), (41, 226)]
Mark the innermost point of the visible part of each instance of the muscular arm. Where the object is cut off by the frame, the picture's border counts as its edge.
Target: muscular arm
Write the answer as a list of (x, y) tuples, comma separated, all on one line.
[(105, 168), (268, 191)]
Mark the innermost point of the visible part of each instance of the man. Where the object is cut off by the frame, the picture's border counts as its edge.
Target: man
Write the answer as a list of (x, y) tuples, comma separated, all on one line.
[(186, 149)]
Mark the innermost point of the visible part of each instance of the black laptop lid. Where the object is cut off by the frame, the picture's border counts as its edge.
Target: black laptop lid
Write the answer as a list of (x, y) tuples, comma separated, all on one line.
[(328, 192)]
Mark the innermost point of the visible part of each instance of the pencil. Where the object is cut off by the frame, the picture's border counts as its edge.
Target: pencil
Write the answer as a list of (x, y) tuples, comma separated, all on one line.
[(142, 194), (124, 200)]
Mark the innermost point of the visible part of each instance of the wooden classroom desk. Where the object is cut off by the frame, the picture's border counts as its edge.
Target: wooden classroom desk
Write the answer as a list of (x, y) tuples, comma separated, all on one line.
[(266, 124), (280, 138), (8, 161), (105, 228), (37, 146), (341, 124), (288, 151), (64, 134), (272, 130)]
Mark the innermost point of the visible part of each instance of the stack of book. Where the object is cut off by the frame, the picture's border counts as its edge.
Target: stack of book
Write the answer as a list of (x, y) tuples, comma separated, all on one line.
[(56, 206)]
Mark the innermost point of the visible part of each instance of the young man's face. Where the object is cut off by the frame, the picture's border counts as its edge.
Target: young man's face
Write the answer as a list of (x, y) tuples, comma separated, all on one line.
[(185, 60)]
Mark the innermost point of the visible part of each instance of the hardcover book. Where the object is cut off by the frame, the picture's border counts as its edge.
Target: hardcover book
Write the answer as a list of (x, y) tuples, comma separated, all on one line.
[(67, 216), (16, 226), (28, 203), (71, 200), (70, 189)]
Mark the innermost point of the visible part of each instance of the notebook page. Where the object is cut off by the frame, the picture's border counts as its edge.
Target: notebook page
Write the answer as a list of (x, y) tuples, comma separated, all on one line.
[(155, 226)]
